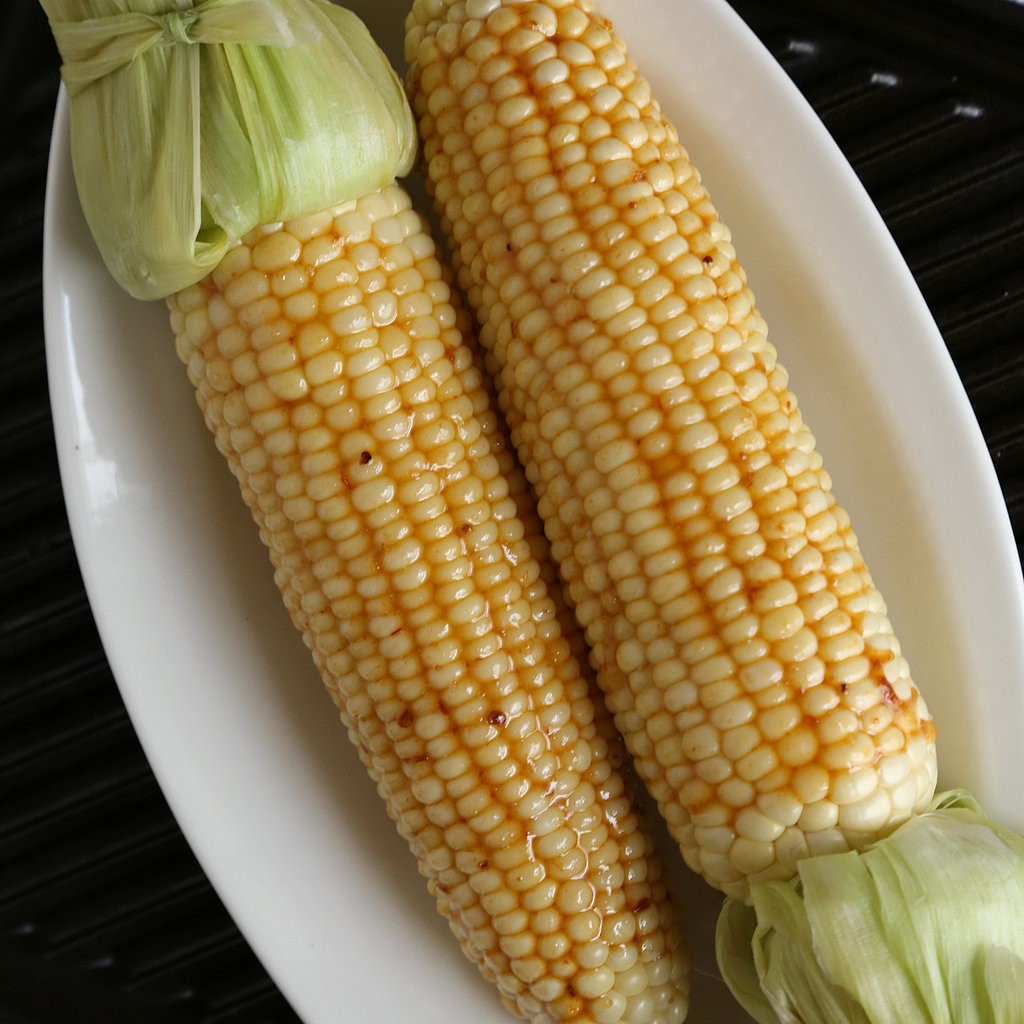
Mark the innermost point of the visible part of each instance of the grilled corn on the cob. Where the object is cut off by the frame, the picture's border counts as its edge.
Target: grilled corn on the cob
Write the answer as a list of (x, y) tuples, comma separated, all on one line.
[(330, 365), (744, 651)]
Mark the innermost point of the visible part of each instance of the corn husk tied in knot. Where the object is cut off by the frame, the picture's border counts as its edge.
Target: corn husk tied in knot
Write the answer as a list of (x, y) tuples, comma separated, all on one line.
[(192, 124)]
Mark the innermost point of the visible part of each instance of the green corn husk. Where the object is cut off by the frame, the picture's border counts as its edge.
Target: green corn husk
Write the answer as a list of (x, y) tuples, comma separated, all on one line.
[(925, 926), (231, 113)]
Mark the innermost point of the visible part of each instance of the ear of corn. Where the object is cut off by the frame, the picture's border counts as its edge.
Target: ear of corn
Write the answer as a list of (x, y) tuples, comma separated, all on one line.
[(745, 653), (329, 363)]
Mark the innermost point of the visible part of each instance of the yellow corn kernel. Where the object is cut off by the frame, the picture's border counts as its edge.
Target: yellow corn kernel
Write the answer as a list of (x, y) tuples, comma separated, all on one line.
[(738, 527)]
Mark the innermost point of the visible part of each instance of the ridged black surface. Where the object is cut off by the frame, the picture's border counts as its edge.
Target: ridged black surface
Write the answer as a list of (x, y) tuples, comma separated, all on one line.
[(104, 913)]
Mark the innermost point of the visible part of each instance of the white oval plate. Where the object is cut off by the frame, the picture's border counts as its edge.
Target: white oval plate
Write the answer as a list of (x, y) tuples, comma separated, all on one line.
[(222, 693)]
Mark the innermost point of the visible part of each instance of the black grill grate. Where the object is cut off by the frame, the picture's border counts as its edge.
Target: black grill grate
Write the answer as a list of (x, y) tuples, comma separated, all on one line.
[(927, 102), (104, 913)]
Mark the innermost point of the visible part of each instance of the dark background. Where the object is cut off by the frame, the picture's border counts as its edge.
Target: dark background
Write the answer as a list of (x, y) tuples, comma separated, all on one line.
[(104, 913)]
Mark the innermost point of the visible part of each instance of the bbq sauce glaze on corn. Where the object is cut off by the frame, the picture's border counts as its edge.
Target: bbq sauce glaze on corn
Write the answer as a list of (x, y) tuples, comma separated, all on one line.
[(329, 362), (744, 651)]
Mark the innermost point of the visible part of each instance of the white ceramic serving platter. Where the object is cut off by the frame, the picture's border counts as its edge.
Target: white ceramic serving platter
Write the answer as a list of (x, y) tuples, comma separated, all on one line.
[(221, 691)]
